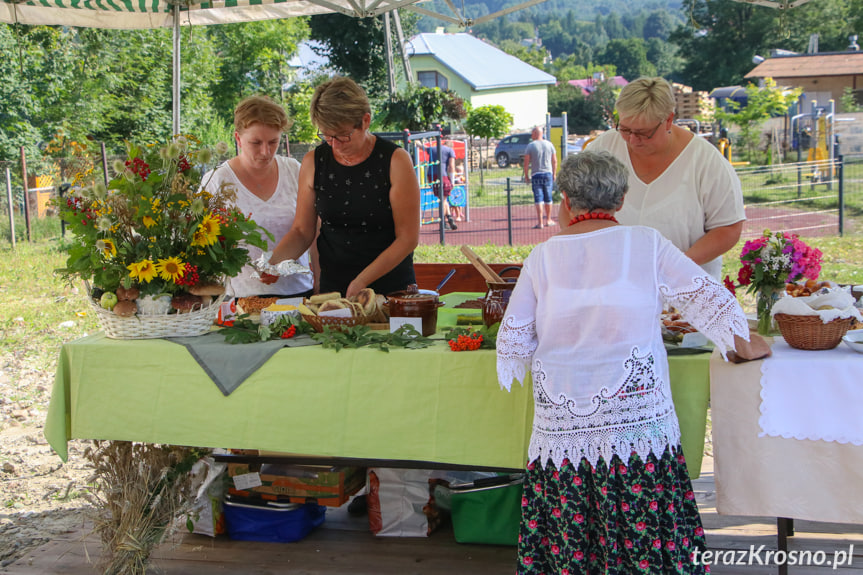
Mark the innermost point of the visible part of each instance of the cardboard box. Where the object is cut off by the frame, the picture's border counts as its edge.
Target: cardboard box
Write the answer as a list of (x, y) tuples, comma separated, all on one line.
[(326, 485)]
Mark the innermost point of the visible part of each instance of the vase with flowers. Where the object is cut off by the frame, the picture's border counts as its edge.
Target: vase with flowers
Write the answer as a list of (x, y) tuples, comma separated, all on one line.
[(153, 234), (768, 263)]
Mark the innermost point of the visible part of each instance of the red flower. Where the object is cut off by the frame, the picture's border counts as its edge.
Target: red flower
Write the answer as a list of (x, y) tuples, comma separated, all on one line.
[(578, 555), (532, 524), (730, 285), (579, 518), (744, 276), (643, 564), (640, 526), (654, 505), (636, 488)]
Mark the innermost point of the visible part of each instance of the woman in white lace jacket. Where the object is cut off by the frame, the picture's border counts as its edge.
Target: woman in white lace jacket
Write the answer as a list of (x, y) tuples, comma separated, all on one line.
[(607, 489)]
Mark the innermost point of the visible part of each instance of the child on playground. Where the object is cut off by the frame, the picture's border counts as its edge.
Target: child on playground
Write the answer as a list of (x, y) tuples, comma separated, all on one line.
[(458, 179)]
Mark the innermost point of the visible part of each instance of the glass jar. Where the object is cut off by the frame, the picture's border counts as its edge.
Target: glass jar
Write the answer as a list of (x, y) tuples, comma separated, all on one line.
[(496, 300), (765, 298)]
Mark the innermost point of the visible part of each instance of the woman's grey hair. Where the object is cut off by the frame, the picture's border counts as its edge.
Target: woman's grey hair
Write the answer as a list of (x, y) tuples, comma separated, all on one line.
[(339, 103), (593, 181), (648, 98)]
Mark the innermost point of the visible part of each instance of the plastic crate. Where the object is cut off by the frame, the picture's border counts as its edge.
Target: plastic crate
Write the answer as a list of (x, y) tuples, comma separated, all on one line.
[(246, 522), (489, 511)]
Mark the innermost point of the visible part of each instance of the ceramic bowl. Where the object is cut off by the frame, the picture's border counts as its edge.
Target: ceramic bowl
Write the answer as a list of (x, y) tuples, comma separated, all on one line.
[(854, 340)]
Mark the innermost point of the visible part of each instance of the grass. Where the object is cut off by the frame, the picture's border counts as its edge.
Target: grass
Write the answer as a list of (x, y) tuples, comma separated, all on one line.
[(34, 302)]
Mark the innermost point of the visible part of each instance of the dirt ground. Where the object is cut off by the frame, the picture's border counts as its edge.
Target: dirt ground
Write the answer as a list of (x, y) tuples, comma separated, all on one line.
[(40, 496)]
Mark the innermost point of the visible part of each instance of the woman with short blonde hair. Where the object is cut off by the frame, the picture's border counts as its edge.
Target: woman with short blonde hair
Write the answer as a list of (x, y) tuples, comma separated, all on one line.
[(679, 184), (364, 192)]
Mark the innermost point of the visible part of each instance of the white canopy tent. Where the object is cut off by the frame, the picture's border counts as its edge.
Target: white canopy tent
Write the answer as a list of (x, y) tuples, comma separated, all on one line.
[(146, 14)]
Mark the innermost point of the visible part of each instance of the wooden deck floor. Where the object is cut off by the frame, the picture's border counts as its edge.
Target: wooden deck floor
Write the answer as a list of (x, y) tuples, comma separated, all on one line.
[(344, 546)]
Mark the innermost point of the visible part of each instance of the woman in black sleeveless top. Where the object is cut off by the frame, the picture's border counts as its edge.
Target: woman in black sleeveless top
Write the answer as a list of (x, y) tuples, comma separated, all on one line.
[(366, 194)]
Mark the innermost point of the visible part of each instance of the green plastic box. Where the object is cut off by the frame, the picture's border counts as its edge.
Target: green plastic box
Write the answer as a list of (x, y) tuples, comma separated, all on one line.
[(489, 511)]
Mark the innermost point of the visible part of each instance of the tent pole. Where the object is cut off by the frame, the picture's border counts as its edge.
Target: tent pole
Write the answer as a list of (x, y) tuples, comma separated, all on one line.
[(391, 73), (175, 92), (401, 39)]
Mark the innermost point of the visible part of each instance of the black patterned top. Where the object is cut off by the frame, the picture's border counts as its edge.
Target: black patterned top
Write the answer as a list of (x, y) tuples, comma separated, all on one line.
[(357, 224)]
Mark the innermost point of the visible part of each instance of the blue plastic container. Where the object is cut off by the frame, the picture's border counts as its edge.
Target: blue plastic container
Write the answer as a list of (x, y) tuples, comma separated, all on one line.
[(272, 524)]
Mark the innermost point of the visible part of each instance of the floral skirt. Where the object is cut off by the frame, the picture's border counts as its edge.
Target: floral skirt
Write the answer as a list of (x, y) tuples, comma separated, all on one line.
[(639, 517)]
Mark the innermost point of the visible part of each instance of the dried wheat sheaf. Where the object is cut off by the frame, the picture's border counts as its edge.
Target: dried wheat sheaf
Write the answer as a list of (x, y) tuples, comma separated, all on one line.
[(138, 490)]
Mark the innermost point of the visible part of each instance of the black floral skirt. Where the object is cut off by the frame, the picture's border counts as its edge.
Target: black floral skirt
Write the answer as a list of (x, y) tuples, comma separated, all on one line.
[(620, 519)]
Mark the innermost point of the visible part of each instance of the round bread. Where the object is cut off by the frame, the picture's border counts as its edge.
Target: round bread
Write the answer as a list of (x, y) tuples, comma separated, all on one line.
[(366, 298), (332, 304)]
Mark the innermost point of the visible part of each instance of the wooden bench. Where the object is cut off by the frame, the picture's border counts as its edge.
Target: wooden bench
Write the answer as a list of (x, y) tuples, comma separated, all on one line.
[(466, 277)]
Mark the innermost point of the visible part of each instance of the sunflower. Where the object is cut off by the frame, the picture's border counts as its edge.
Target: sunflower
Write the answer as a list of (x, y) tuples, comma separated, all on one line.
[(171, 269), (107, 247), (207, 232), (143, 270)]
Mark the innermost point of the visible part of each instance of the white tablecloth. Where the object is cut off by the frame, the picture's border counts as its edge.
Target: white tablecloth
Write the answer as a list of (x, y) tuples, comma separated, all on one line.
[(774, 476), (814, 395)]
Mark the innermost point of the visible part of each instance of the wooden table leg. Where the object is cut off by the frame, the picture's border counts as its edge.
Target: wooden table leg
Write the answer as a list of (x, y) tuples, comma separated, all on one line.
[(784, 530)]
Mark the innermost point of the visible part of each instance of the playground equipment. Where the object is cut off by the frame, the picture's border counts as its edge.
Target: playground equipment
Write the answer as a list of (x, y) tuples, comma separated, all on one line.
[(813, 132)]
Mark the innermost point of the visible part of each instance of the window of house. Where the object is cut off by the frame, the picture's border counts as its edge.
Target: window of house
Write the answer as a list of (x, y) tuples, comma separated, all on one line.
[(433, 80)]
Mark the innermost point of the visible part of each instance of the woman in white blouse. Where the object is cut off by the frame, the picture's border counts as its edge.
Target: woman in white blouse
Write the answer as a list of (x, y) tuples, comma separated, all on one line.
[(607, 489), (679, 183), (266, 186)]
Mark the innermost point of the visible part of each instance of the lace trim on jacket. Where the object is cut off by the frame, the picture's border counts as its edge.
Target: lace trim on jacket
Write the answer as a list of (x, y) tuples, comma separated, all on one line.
[(637, 417), (711, 309), (515, 346)]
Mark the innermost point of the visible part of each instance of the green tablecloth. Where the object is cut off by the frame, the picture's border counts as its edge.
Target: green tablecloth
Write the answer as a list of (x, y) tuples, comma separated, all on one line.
[(417, 405)]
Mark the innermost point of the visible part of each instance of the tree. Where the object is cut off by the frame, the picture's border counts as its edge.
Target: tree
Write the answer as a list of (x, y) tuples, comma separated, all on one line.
[(253, 60), (582, 114), (535, 55), (763, 103), (487, 122), (418, 108), (629, 56)]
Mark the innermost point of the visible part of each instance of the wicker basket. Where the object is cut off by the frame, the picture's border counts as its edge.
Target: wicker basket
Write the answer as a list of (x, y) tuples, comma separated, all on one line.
[(809, 332), (197, 322), (318, 322)]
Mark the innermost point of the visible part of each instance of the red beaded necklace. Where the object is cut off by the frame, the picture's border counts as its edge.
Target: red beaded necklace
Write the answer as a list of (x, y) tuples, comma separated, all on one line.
[(592, 216)]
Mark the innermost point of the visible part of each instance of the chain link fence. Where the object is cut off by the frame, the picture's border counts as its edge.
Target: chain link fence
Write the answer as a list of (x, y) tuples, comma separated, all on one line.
[(808, 198)]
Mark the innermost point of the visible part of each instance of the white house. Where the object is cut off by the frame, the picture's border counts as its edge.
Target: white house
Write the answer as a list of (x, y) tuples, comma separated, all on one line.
[(481, 74)]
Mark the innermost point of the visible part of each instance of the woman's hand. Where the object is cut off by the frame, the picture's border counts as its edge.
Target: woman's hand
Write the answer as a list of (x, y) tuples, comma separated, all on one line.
[(755, 348), (268, 279), (355, 287)]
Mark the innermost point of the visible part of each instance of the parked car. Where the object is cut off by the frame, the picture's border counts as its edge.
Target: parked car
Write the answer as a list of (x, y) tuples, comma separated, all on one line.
[(510, 150)]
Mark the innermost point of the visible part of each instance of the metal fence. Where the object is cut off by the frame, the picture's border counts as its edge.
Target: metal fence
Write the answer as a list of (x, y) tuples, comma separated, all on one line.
[(808, 198)]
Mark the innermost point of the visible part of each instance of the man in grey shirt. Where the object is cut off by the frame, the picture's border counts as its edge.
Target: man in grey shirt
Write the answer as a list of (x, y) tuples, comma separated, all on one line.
[(540, 159)]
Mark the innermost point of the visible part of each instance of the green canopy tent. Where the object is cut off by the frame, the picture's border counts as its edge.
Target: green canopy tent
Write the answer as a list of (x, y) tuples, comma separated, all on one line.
[(141, 14)]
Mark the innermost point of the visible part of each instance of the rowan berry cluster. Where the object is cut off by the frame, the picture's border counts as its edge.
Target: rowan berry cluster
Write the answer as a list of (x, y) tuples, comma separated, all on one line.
[(470, 342)]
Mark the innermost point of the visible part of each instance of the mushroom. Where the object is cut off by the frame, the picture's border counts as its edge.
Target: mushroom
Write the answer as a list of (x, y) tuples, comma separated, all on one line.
[(130, 294), (185, 303), (207, 292), (125, 308)]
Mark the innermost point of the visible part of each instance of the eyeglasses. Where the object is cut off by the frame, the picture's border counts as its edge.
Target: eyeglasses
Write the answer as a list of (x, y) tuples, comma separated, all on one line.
[(344, 139), (640, 134)]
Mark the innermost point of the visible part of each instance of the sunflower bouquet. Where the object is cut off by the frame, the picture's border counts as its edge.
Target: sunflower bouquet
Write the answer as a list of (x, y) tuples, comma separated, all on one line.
[(153, 231)]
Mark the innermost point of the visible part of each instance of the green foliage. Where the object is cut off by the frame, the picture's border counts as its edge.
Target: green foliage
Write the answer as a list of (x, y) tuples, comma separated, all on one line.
[(405, 336), (355, 47), (583, 114), (763, 103), (418, 108), (488, 122), (245, 330), (535, 56), (849, 102), (629, 56), (297, 104)]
